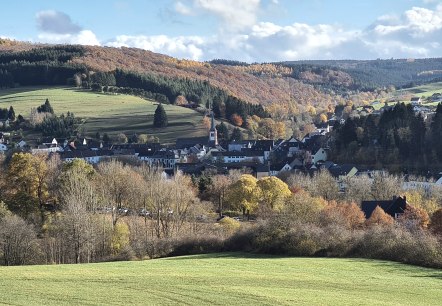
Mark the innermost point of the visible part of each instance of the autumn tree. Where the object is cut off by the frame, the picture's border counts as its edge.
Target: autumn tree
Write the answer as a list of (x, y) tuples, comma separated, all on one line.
[(436, 222), (385, 187), (379, 217), (325, 186), (27, 177), (274, 192), (413, 216), (237, 120), (346, 214), (244, 194)]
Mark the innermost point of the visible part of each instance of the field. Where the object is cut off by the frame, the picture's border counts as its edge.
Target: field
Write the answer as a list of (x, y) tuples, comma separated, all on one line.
[(223, 279), (424, 90), (106, 113)]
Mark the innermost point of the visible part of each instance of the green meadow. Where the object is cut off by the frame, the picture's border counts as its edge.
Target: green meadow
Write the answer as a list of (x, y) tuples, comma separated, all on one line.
[(223, 279), (106, 113)]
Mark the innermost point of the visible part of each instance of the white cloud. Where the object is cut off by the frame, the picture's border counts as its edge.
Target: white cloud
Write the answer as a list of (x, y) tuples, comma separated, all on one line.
[(51, 21), (235, 14), (181, 47), (182, 9), (84, 37)]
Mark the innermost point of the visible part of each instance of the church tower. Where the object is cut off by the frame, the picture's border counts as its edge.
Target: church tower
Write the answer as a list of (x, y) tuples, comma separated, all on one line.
[(213, 134)]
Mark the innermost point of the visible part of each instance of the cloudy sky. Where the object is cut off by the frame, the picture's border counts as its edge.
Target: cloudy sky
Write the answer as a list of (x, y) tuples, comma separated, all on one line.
[(245, 30)]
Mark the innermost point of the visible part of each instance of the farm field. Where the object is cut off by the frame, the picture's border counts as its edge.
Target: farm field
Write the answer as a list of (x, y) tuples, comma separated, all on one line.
[(106, 113), (223, 279), (426, 90)]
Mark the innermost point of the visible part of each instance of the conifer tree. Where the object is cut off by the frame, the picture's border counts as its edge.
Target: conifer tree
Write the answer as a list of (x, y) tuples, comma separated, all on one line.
[(11, 114), (160, 117)]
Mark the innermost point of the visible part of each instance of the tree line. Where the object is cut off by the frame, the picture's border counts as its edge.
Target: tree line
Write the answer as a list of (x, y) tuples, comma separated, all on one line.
[(71, 212), (398, 139)]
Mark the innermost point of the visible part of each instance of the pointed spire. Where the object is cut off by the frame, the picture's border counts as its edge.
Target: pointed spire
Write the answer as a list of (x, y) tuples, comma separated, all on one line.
[(212, 127)]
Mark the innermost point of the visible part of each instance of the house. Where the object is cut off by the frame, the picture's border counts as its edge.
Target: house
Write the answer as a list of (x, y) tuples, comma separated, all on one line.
[(237, 157), (90, 156), (394, 207), (163, 158), (276, 169), (416, 101)]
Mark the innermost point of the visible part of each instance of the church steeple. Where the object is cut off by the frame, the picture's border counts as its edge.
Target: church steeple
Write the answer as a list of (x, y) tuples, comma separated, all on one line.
[(213, 134)]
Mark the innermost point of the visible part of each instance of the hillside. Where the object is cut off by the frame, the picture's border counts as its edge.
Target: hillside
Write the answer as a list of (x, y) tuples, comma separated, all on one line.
[(223, 279), (106, 113), (264, 88)]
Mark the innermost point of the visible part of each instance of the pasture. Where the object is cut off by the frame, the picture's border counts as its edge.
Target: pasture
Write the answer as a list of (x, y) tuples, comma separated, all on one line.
[(223, 279), (106, 113)]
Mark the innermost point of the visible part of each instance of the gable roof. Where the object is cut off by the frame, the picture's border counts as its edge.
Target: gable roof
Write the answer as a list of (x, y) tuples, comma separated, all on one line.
[(391, 207)]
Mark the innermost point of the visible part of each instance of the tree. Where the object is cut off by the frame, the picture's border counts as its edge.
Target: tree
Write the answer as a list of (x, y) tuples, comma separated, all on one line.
[(413, 216), (385, 187), (436, 222), (98, 136), (379, 217), (223, 131), (106, 138), (325, 186), (160, 117), (17, 241), (244, 194), (79, 198), (274, 192), (45, 108), (121, 138), (11, 114), (236, 134), (237, 119), (218, 189), (27, 177)]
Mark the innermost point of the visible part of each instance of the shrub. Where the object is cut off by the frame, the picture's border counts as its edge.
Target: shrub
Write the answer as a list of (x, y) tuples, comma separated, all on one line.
[(229, 225)]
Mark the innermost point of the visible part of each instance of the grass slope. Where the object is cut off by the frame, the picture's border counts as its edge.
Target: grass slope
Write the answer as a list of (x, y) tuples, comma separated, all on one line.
[(224, 279), (106, 113)]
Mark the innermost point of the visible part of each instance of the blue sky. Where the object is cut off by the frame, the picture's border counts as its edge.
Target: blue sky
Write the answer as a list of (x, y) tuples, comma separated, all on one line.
[(247, 30)]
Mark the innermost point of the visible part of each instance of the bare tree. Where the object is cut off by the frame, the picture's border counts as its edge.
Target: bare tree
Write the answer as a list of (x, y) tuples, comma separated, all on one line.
[(17, 241), (385, 187)]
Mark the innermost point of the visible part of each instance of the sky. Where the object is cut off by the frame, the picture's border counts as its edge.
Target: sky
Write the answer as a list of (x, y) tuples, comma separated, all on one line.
[(243, 30)]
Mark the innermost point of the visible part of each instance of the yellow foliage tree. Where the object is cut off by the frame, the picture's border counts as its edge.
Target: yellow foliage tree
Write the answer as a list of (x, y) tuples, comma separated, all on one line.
[(244, 194), (417, 199), (274, 192)]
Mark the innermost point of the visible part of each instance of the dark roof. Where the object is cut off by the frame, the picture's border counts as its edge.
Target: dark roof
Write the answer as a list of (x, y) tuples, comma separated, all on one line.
[(391, 207), (183, 143), (338, 170)]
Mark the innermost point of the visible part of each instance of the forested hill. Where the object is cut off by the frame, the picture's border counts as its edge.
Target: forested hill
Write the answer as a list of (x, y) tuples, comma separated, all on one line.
[(371, 74), (265, 88), (290, 87)]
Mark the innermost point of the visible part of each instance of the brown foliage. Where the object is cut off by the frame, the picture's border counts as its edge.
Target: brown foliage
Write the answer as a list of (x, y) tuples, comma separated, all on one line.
[(346, 214), (237, 120), (415, 215), (436, 222), (379, 217)]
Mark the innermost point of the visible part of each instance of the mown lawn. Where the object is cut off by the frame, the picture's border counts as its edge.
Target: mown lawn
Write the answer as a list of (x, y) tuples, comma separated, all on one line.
[(223, 279), (106, 113)]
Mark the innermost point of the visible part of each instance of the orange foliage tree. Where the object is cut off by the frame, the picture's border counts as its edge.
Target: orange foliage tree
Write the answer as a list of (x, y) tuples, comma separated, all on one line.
[(379, 217), (416, 215), (236, 119)]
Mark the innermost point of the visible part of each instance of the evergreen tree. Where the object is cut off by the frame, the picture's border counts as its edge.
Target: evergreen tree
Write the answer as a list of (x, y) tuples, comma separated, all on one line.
[(236, 134), (106, 138), (45, 108), (160, 117), (223, 131), (11, 114), (97, 135)]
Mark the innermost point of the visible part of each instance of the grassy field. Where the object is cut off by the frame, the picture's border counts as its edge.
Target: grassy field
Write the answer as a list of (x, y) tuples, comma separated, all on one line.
[(223, 279), (424, 90), (105, 113)]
